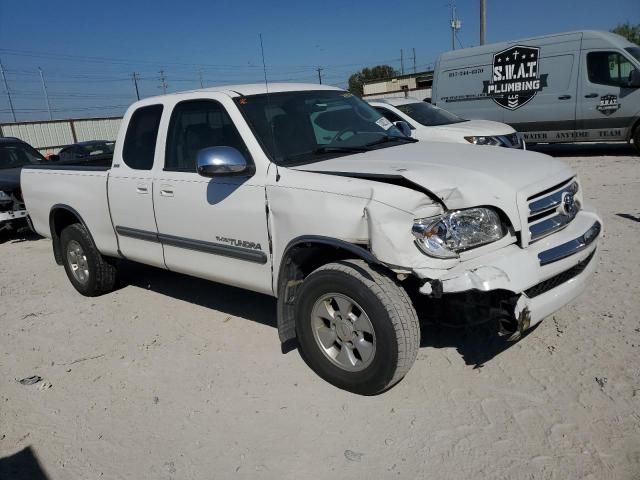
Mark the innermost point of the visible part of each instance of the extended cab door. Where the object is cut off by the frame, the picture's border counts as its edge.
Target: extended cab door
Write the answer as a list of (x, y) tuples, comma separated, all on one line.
[(130, 187), (608, 108), (213, 228)]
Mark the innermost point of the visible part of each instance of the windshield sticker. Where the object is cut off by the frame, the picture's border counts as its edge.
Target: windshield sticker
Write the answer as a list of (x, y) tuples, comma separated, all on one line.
[(608, 104), (384, 123), (516, 77)]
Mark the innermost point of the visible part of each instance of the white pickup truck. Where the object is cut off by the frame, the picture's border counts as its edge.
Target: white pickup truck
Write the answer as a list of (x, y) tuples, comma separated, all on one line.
[(306, 193)]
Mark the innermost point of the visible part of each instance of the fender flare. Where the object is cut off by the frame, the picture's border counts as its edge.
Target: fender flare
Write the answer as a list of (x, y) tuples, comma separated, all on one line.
[(55, 238), (287, 282)]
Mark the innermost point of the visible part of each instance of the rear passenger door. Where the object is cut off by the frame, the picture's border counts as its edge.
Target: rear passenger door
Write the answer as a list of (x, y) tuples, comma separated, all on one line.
[(130, 187), (213, 228)]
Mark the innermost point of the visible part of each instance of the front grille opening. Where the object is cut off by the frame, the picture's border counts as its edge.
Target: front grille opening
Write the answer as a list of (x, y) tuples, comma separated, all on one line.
[(559, 279)]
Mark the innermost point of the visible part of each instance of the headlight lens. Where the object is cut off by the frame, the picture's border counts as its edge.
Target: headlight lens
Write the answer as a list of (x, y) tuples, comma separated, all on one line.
[(484, 140), (4, 197), (446, 235)]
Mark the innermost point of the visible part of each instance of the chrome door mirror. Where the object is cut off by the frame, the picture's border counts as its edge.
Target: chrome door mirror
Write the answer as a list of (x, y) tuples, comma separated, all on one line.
[(222, 161), (403, 127)]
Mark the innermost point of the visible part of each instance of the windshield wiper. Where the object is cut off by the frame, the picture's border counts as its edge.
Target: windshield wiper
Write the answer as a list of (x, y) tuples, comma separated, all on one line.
[(337, 148), (391, 138)]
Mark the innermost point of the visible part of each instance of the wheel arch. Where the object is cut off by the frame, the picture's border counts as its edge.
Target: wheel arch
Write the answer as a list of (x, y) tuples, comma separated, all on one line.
[(302, 256), (60, 217)]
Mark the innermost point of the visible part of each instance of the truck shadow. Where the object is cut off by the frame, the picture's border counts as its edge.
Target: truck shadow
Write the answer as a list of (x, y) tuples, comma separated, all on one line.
[(23, 465), (215, 296), (476, 344), (18, 236), (618, 149)]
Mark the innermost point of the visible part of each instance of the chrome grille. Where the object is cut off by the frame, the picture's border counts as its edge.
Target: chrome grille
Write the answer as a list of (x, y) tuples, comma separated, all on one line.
[(552, 209)]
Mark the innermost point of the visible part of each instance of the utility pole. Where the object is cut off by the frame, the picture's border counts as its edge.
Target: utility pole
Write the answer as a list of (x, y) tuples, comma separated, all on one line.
[(402, 61), (319, 69), (200, 78), (455, 26), (46, 95), (135, 83), (483, 21), (163, 82), (6, 87), (414, 61)]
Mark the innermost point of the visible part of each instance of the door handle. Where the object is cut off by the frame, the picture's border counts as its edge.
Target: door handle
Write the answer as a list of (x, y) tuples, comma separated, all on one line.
[(591, 95), (166, 191), (564, 97), (142, 188)]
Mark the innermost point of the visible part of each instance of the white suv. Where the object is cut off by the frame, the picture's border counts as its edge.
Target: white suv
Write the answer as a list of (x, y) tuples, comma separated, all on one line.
[(430, 123)]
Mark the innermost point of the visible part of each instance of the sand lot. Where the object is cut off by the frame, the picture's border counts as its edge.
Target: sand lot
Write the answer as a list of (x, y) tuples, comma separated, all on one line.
[(175, 378)]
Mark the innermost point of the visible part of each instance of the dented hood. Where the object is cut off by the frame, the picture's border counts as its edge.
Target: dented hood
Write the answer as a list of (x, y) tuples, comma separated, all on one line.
[(461, 176)]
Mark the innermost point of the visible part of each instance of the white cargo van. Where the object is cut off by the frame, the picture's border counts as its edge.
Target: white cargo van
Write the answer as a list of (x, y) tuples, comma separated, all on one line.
[(566, 87)]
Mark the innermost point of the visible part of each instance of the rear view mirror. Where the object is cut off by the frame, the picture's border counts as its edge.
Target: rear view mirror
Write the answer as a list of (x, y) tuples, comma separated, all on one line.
[(634, 78), (403, 127), (222, 161)]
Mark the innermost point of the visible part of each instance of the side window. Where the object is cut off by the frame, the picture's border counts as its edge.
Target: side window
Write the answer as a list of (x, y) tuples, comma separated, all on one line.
[(608, 68), (198, 124), (388, 114), (140, 141)]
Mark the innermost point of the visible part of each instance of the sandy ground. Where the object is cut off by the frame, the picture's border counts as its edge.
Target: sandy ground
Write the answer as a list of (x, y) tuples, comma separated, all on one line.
[(175, 378)]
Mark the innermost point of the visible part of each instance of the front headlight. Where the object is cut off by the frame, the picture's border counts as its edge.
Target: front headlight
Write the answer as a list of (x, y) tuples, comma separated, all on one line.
[(484, 140), (4, 197), (446, 235)]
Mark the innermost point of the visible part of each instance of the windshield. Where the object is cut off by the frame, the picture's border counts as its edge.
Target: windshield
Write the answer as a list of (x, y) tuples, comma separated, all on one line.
[(429, 115), (308, 126), (14, 155), (635, 51)]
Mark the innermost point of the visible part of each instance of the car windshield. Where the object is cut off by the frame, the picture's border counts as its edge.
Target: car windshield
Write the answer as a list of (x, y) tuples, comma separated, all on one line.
[(429, 115), (635, 51), (308, 126), (97, 148), (14, 155)]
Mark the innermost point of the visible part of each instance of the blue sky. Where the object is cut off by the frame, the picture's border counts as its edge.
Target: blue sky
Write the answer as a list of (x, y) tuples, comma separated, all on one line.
[(88, 50)]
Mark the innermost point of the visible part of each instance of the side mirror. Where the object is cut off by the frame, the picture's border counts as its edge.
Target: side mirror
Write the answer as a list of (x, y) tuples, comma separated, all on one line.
[(634, 78), (222, 161), (403, 127)]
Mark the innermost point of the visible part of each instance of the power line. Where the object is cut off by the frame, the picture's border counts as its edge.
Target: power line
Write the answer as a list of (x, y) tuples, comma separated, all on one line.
[(6, 87)]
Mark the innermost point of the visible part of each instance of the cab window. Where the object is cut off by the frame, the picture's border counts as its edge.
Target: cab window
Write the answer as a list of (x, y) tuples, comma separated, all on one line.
[(140, 142), (608, 68), (198, 124)]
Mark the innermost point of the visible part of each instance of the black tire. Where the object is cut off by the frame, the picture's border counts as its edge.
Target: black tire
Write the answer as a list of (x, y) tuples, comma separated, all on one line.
[(390, 311), (101, 276), (636, 138)]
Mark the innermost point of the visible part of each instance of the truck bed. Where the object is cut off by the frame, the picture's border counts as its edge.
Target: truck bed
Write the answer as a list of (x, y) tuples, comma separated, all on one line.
[(80, 187)]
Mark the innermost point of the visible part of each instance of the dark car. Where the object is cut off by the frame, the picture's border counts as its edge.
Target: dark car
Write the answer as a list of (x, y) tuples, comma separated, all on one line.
[(86, 150), (14, 154)]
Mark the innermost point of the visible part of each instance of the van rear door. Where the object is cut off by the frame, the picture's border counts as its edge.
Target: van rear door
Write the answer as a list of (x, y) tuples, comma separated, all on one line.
[(607, 107)]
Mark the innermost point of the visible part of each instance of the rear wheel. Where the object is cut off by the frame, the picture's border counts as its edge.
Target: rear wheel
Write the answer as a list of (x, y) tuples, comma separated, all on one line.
[(89, 272), (356, 327), (636, 138)]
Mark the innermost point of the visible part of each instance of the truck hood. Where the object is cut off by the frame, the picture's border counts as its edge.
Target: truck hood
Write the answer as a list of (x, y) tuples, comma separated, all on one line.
[(10, 179), (459, 175), (476, 127)]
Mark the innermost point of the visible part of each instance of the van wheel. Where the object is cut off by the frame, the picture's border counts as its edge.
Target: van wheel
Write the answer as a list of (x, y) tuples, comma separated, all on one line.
[(89, 272), (356, 327), (636, 138)]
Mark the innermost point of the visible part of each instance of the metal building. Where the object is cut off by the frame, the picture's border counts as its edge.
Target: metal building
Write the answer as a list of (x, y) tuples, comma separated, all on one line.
[(416, 85)]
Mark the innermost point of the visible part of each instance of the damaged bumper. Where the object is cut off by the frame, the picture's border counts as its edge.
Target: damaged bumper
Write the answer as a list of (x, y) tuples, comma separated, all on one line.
[(544, 276), (13, 215)]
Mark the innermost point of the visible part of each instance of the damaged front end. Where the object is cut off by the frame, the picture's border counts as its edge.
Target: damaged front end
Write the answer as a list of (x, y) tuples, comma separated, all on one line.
[(13, 214)]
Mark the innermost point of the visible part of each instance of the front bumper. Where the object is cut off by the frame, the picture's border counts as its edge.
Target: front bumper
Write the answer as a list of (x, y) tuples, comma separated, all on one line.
[(545, 276)]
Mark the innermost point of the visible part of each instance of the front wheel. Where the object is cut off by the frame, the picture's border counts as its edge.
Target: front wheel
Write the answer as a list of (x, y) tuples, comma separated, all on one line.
[(89, 272), (356, 327)]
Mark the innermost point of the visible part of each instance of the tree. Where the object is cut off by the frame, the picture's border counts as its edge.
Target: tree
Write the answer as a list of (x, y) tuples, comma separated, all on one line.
[(628, 31), (379, 72)]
